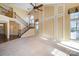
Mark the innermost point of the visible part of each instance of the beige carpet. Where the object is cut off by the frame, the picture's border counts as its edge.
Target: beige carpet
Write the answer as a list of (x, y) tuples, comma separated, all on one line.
[(25, 47)]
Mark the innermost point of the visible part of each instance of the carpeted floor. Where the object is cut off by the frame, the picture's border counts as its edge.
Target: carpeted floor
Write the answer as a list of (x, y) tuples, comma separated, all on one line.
[(25, 47)]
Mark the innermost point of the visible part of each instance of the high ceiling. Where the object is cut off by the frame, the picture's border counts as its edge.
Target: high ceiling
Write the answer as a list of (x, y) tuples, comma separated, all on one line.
[(28, 7), (25, 6)]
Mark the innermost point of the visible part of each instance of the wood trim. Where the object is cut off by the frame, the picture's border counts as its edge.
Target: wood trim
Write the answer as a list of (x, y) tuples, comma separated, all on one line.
[(73, 10)]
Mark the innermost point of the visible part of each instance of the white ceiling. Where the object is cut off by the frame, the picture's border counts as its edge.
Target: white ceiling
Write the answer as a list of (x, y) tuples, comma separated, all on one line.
[(26, 6)]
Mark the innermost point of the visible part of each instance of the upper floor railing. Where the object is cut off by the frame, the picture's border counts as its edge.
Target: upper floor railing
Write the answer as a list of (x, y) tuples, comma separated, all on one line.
[(8, 11)]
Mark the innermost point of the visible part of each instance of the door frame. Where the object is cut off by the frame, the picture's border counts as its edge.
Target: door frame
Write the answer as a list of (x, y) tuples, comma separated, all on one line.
[(4, 29)]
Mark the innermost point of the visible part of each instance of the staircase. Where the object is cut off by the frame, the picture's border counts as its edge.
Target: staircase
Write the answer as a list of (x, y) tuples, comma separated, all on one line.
[(24, 30), (9, 12)]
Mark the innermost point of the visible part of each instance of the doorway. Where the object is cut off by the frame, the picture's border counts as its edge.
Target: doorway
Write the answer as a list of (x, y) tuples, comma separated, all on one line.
[(2, 32)]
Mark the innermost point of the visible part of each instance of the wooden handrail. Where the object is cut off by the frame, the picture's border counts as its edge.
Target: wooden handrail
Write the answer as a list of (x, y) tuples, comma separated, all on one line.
[(25, 29)]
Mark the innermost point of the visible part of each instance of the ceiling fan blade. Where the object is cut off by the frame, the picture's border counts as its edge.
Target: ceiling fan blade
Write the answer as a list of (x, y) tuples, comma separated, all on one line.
[(39, 5), (32, 4), (39, 9)]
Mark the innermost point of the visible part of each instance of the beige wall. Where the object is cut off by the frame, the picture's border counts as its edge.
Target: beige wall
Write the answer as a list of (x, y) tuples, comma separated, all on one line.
[(14, 28), (22, 13), (46, 21), (48, 27)]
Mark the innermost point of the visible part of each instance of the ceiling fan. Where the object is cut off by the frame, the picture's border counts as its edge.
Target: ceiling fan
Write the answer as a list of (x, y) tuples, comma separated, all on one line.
[(36, 7)]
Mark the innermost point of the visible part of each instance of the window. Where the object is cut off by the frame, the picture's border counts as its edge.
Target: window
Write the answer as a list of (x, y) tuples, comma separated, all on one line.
[(31, 20), (74, 25), (37, 27)]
